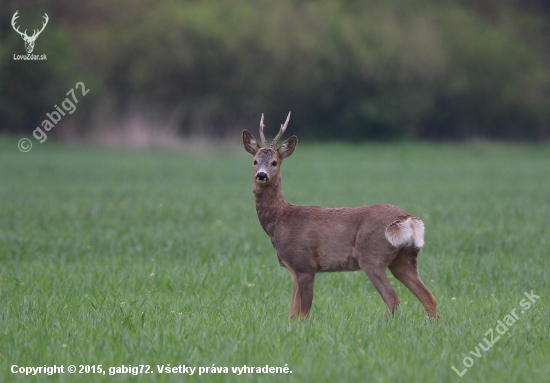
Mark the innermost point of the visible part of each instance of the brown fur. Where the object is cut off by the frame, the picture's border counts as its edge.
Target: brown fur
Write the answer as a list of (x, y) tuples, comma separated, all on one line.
[(311, 239)]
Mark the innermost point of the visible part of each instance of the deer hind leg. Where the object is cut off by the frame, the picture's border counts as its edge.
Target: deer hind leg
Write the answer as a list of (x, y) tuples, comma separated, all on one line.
[(377, 276), (405, 268)]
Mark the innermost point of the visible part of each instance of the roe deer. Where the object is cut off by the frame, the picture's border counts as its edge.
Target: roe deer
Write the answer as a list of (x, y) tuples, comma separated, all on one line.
[(311, 239)]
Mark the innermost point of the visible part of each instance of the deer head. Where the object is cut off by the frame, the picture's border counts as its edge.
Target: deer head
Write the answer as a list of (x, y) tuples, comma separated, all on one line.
[(29, 40), (267, 160)]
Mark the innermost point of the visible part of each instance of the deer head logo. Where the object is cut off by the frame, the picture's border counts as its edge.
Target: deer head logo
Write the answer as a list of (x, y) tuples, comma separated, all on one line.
[(29, 40)]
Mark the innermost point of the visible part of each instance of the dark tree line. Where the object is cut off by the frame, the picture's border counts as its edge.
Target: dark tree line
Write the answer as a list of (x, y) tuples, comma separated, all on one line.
[(353, 70)]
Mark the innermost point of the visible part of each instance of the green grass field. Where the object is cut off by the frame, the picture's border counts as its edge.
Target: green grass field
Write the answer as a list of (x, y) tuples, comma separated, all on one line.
[(125, 258)]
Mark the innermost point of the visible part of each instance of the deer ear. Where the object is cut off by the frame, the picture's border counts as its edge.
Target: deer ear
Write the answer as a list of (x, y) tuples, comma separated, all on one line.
[(287, 148), (250, 143)]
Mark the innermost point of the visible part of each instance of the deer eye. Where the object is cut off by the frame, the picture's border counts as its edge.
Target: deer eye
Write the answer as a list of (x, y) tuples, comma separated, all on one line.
[(274, 163), (255, 162)]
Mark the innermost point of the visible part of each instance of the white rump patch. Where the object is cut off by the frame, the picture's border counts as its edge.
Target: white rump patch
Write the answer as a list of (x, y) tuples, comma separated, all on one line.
[(409, 232)]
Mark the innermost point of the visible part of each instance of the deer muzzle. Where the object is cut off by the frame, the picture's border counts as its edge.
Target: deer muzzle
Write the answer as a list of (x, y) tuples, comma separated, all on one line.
[(261, 177)]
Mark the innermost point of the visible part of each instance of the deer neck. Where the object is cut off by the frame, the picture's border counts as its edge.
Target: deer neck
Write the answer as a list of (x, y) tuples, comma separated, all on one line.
[(270, 204)]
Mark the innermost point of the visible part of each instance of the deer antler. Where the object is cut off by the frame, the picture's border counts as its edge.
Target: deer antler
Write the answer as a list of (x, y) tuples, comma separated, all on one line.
[(36, 33), (281, 131), (24, 34), (15, 16), (262, 136)]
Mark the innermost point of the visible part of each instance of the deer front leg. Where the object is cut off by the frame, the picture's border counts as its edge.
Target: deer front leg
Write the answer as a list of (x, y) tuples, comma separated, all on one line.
[(305, 292), (295, 305)]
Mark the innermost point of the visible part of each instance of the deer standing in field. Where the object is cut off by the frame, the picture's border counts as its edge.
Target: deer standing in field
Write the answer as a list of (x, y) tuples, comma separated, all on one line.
[(311, 239)]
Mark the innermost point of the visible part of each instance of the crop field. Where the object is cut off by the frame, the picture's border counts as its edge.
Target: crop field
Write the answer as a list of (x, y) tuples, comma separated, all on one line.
[(156, 258)]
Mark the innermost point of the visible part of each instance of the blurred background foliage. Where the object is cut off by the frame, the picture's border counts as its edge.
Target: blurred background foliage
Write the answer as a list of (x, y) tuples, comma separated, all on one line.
[(348, 69)]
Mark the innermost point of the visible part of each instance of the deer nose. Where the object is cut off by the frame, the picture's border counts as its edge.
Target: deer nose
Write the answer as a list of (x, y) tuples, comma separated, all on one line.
[(261, 177)]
